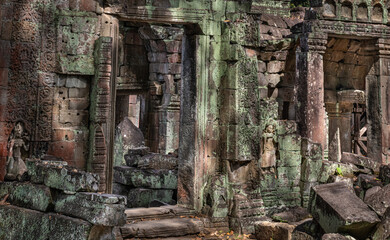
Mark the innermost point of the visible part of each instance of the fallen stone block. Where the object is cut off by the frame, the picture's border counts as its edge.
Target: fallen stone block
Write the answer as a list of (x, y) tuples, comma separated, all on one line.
[(292, 215), (71, 179), (158, 161), (37, 197), (162, 228), (59, 176), (360, 161), (146, 178), (297, 235), (338, 178), (367, 181), (98, 209), (380, 201), (384, 174), (337, 209), (383, 230), (371, 192), (36, 168), (273, 230), (332, 168), (22, 223), (140, 197), (336, 236)]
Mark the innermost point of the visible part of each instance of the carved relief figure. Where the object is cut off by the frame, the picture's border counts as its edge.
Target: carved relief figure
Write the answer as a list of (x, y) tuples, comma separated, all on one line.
[(18, 140), (268, 155)]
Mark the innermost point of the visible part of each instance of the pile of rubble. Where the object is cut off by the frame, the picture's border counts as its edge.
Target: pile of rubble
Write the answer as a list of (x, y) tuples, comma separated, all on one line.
[(351, 200), (58, 202)]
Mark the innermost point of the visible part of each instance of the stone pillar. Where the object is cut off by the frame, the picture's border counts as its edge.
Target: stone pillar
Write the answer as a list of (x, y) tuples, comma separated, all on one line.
[(378, 104), (339, 115), (310, 87)]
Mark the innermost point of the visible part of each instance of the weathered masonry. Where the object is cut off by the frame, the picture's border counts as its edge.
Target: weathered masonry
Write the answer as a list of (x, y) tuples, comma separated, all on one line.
[(231, 108)]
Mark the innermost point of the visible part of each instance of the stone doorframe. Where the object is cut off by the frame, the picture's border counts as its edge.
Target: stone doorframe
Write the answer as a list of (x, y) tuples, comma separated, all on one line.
[(310, 107), (192, 134)]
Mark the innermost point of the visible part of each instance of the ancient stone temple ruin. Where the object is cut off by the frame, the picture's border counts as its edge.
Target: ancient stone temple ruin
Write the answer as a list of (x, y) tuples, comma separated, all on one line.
[(194, 119)]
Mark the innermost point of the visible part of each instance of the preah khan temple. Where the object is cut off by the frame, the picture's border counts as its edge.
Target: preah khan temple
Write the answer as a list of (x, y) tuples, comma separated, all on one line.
[(195, 119)]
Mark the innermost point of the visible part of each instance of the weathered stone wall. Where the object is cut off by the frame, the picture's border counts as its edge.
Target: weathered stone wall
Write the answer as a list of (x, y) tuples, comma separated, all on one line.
[(47, 59)]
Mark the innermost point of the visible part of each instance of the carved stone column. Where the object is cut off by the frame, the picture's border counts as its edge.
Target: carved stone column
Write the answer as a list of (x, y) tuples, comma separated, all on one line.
[(378, 104), (339, 115), (310, 87)]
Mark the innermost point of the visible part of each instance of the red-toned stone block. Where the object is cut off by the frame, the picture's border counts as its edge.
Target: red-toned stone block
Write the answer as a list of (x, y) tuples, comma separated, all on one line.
[(6, 30), (174, 58), (88, 5), (173, 46), (3, 77), (64, 150), (63, 135)]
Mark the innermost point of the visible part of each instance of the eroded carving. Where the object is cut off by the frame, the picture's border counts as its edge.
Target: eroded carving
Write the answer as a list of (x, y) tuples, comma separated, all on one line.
[(18, 142)]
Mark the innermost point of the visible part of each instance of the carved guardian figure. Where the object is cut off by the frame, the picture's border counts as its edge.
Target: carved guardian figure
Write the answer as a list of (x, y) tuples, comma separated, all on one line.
[(18, 140)]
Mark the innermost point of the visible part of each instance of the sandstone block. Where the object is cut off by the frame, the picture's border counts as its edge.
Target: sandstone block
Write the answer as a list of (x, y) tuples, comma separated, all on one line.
[(146, 178), (380, 201), (383, 230), (98, 209), (272, 230), (37, 197), (337, 209), (140, 197), (336, 236), (360, 161), (384, 174)]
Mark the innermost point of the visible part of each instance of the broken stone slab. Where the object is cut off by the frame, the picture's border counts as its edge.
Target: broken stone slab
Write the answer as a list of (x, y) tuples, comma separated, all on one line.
[(382, 232), (146, 178), (37, 197), (380, 201), (337, 178), (36, 168), (98, 209), (22, 223), (384, 174), (127, 136), (371, 192), (297, 235), (336, 236), (337, 209), (360, 161), (140, 197), (59, 176), (158, 161), (332, 168), (174, 227), (273, 230), (366, 181), (133, 155), (71, 180), (292, 215)]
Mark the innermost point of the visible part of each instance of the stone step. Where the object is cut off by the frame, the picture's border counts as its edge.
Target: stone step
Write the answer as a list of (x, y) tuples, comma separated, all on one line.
[(163, 212), (172, 227)]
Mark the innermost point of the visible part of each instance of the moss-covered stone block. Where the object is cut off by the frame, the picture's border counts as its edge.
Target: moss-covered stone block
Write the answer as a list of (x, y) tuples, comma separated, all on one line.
[(284, 127), (289, 158), (98, 209), (37, 197), (289, 176), (310, 170), (141, 197), (70, 179), (146, 178), (79, 64), (22, 223), (290, 142)]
